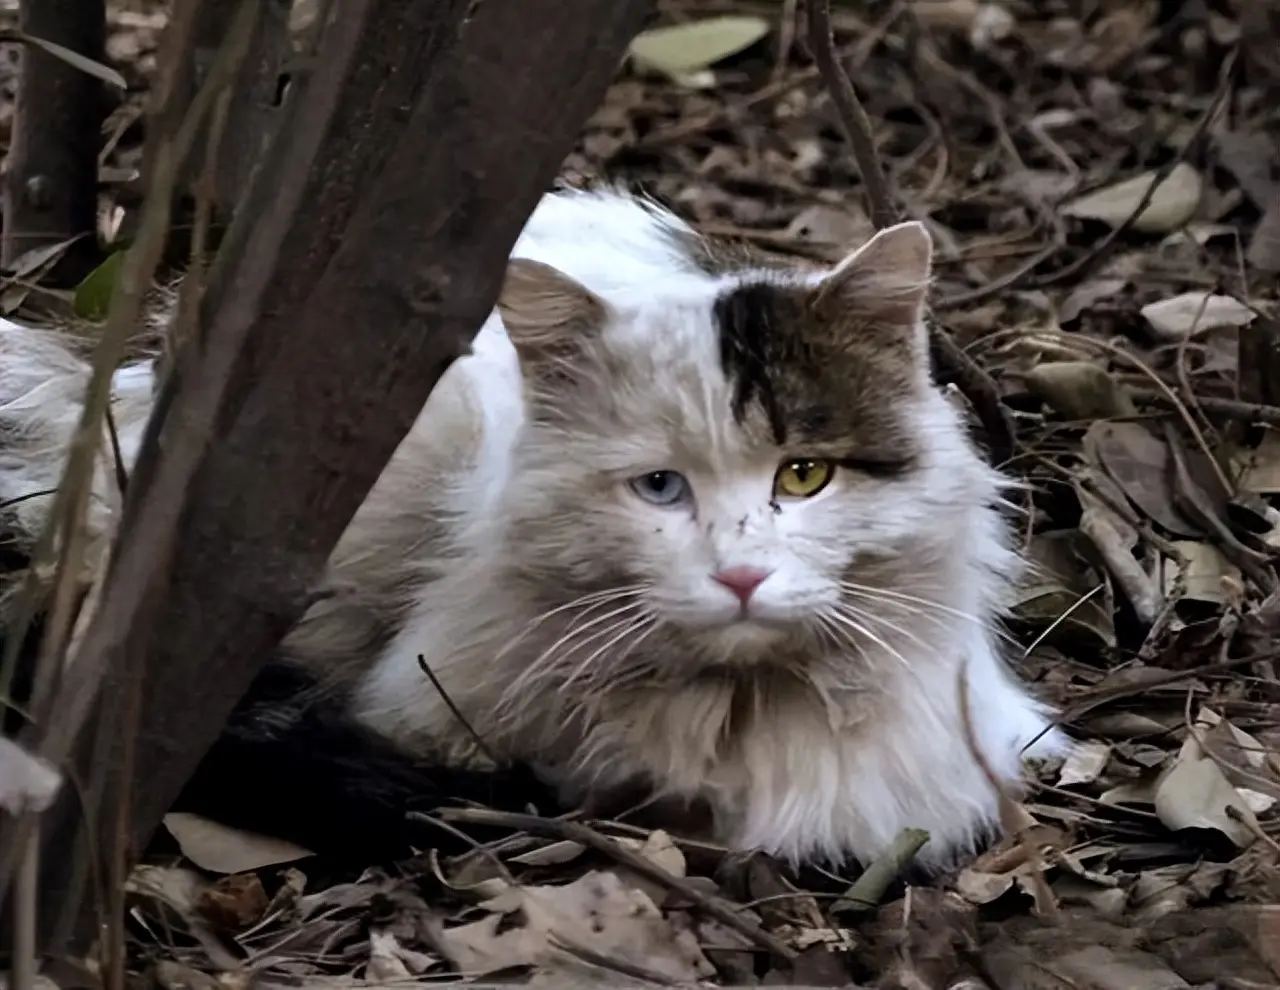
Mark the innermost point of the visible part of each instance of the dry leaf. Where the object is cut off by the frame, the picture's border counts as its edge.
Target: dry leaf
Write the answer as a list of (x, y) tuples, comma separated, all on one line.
[(552, 854), (659, 849), (1252, 159), (235, 902), (1114, 537), (1084, 297), (820, 224), (221, 849), (1242, 757), (1085, 763), (389, 960), (1172, 205), (172, 975), (1109, 902), (1101, 968), (1079, 390), (180, 892), (597, 911), (1140, 464), (684, 51), (1207, 575), (1137, 793), (1193, 793), (1260, 468), (1059, 589), (1178, 317), (977, 887)]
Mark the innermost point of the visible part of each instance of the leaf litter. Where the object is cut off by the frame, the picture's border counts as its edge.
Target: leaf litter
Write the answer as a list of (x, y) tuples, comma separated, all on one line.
[(1103, 183)]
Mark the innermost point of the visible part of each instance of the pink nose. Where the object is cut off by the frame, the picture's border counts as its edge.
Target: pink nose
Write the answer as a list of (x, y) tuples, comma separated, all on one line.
[(742, 581)]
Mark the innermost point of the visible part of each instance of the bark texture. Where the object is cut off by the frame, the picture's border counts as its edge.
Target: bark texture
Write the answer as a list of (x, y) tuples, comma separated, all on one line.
[(368, 251)]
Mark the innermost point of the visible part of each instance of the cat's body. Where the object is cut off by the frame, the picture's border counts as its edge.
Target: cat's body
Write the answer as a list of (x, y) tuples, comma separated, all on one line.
[(684, 519)]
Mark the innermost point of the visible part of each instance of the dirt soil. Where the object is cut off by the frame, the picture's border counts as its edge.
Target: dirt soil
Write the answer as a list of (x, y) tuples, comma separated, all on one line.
[(1102, 180)]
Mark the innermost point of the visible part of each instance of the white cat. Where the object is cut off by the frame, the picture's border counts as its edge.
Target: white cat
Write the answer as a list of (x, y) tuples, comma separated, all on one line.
[(687, 517)]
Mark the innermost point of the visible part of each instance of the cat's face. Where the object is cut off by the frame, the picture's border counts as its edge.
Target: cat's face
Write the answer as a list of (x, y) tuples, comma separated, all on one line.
[(729, 473)]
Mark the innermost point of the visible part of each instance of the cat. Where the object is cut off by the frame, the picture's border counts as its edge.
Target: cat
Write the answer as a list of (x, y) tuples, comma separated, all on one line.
[(688, 517)]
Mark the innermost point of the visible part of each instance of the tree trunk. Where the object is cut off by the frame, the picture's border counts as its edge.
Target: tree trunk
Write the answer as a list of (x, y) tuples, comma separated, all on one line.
[(370, 249), (51, 190)]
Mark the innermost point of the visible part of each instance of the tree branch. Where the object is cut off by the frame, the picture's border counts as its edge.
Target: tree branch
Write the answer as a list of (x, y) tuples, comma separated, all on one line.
[(857, 126), (950, 359)]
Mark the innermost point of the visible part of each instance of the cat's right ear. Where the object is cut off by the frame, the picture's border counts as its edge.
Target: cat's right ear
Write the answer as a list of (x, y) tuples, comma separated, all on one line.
[(546, 312)]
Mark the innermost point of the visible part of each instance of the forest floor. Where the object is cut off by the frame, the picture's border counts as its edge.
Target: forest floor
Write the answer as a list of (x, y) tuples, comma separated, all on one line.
[(1120, 353)]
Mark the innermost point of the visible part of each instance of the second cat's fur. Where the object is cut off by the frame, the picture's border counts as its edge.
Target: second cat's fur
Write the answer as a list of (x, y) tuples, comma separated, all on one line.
[(685, 518)]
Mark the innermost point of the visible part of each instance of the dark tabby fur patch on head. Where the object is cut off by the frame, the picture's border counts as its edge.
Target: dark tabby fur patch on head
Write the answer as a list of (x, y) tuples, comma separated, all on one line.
[(820, 388)]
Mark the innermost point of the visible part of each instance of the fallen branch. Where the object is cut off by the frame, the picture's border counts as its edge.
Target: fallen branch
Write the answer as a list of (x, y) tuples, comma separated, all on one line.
[(558, 828)]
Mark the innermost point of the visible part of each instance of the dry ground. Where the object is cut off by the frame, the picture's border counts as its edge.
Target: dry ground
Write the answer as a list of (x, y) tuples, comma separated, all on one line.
[(1127, 348)]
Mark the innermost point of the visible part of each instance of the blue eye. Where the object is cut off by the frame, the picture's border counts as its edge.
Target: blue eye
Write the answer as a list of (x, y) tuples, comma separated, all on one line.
[(661, 487)]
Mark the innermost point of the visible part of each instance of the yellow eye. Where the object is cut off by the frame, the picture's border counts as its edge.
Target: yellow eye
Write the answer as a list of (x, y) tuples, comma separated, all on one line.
[(802, 479)]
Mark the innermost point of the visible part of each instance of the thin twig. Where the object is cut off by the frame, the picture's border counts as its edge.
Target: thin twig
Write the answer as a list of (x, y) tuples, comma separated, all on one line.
[(19, 499), (1233, 409), (1100, 251), (117, 455), (857, 126), (1009, 808), (457, 713), (577, 832)]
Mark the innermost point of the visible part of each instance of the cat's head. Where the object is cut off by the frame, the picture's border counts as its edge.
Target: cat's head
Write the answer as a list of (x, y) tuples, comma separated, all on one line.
[(746, 459)]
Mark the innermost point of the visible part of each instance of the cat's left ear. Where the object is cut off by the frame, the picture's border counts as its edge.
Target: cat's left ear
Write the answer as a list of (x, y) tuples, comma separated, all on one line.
[(546, 312), (885, 281)]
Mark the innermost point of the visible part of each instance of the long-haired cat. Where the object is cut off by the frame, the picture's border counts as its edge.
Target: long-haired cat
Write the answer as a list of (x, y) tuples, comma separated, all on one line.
[(687, 518)]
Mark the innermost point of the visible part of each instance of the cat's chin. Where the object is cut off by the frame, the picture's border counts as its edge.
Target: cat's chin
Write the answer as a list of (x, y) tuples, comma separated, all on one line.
[(743, 642)]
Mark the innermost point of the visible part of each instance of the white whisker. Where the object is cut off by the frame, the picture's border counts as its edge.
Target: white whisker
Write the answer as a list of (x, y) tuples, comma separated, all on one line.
[(589, 602), (889, 597), (864, 616), (859, 628), (549, 657), (927, 609), (633, 626)]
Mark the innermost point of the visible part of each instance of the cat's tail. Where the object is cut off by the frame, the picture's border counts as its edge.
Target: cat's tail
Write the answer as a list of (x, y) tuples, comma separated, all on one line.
[(44, 375)]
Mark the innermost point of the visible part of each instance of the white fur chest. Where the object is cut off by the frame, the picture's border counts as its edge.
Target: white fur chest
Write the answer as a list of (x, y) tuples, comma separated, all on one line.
[(825, 779)]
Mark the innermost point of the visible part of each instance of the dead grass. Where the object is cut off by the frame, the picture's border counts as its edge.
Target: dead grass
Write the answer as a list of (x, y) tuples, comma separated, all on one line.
[(1105, 193)]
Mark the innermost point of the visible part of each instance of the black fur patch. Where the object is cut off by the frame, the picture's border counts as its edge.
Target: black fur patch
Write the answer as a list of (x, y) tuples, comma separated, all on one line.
[(308, 772), (747, 318), (825, 389), (292, 763)]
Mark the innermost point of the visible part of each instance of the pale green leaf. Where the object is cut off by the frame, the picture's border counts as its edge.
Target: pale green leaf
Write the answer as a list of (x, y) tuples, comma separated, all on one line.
[(684, 51), (92, 297)]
